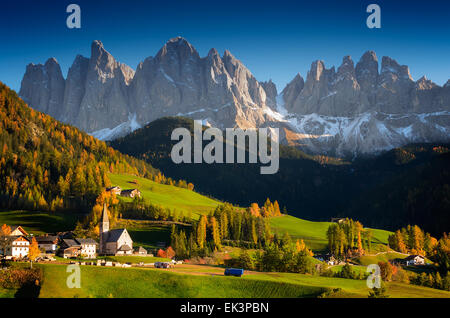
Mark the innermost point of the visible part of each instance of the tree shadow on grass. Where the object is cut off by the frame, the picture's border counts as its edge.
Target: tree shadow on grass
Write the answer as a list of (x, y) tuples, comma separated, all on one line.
[(28, 291)]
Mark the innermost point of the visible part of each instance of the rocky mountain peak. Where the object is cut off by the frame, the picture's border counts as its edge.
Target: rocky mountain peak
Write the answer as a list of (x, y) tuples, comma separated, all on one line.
[(389, 65), (316, 70), (271, 92), (51, 62), (367, 71), (368, 57), (347, 68), (424, 84), (213, 52), (177, 47)]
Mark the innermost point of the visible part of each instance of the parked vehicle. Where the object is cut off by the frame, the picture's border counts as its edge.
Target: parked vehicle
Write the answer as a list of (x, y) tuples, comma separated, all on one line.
[(162, 264), (238, 272)]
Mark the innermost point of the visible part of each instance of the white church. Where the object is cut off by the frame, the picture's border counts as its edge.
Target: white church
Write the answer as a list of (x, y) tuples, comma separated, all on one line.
[(113, 242)]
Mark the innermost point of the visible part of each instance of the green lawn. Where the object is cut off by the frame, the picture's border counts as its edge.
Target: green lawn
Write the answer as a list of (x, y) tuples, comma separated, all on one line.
[(141, 282), (165, 195), (314, 234), (40, 222)]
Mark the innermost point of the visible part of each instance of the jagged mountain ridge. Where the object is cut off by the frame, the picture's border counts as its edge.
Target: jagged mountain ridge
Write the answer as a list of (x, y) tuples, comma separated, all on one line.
[(354, 110), (103, 94), (358, 110)]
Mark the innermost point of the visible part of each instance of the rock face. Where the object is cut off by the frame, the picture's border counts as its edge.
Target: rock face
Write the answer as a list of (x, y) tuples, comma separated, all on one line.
[(43, 87), (104, 97), (357, 110), (348, 111)]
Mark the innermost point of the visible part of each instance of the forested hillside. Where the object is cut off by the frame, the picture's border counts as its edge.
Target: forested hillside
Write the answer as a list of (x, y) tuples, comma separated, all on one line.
[(47, 165), (408, 185)]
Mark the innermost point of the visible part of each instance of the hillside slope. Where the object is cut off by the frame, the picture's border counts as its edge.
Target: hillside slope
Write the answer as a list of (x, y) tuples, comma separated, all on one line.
[(47, 165), (166, 195), (415, 178)]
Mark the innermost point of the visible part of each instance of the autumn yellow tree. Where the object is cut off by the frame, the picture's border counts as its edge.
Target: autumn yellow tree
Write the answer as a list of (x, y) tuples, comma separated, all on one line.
[(215, 231), (276, 209), (33, 252), (201, 231), (254, 209), (5, 230)]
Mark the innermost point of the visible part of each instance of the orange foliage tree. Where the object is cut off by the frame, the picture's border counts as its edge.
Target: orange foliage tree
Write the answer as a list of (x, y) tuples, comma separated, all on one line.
[(34, 250)]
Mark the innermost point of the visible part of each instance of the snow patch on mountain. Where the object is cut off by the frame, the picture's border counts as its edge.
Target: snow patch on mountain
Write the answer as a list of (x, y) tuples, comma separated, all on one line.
[(119, 131)]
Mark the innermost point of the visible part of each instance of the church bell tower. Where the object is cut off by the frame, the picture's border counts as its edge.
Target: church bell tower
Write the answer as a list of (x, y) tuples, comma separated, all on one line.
[(104, 229)]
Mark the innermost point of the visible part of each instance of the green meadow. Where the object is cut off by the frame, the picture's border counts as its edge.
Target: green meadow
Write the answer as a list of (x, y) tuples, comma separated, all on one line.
[(165, 195), (142, 283), (314, 234), (205, 283)]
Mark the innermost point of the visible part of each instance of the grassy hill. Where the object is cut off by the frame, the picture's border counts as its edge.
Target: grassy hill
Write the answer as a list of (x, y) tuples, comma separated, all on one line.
[(407, 185), (166, 195), (314, 233), (207, 281), (134, 282)]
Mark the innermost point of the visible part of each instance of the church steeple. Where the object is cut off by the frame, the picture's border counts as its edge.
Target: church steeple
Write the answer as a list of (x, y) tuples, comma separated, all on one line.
[(104, 229), (105, 218)]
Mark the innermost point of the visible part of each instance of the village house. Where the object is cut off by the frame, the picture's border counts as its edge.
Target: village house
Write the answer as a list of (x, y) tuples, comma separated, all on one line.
[(47, 243), (17, 247), (327, 258), (113, 242), (141, 251), (17, 230), (338, 220), (414, 260), (78, 247), (131, 193), (116, 190), (69, 248), (88, 247), (17, 243)]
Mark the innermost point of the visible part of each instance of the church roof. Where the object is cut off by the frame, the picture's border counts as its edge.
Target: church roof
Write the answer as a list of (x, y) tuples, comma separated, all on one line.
[(114, 235)]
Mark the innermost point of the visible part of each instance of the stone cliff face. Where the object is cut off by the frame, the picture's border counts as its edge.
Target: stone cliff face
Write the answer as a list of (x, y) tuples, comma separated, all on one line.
[(43, 87), (358, 110), (355, 90), (348, 111)]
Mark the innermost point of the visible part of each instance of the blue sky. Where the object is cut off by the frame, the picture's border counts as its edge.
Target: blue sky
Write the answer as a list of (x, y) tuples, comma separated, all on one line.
[(274, 39)]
